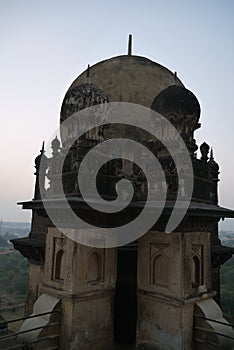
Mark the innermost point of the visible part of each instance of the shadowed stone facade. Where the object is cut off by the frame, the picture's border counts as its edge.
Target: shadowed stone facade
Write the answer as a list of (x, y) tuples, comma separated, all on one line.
[(143, 294)]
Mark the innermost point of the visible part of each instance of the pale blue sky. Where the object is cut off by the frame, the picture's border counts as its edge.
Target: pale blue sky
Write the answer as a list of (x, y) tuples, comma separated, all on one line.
[(46, 44)]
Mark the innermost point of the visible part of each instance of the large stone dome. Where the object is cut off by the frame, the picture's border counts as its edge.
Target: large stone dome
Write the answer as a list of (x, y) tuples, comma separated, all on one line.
[(128, 78)]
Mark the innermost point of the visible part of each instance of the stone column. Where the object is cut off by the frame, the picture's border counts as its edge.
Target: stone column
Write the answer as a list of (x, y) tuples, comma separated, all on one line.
[(173, 273), (84, 279)]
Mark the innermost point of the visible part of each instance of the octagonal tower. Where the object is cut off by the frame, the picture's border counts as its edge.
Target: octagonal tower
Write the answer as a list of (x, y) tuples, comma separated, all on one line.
[(142, 294)]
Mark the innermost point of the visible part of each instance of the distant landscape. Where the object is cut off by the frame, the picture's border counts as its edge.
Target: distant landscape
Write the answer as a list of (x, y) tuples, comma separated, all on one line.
[(13, 269), (13, 266), (227, 278)]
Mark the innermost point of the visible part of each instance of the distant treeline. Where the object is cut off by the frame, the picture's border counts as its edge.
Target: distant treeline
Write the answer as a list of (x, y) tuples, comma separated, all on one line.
[(10, 227), (13, 277), (4, 243), (227, 288)]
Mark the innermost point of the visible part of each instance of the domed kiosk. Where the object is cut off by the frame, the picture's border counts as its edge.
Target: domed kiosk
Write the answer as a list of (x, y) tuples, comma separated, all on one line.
[(178, 101), (181, 107), (146, 294)]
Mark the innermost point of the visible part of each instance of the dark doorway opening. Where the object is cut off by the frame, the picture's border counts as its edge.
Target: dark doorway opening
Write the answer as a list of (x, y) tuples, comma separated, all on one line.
[(125, 306)]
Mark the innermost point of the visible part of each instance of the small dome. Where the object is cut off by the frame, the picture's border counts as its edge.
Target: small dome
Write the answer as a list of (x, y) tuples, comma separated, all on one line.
[(177, 100), (80, 97)]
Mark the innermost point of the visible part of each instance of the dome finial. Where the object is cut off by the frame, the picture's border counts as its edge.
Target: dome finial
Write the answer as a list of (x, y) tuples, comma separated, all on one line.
[(130, 45), (213, 166)]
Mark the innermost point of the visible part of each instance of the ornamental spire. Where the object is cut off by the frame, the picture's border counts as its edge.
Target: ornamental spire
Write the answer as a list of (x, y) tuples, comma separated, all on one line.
[(41, 167), (43, 147), (211, 154)]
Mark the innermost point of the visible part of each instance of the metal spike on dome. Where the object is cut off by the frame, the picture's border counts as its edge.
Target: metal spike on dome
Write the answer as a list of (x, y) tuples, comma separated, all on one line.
[(130, 45)]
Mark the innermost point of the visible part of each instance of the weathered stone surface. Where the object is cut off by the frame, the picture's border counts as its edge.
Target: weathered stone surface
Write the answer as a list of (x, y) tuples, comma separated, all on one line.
[(207, 334), (166, 294), (44, 304), (85, 289), (34, 281), (173, 271)]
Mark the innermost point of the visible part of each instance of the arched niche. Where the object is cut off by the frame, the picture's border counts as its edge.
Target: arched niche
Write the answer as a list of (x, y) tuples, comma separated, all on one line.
[(59, 265), (160, 270), (196, 271), (94, 267)]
